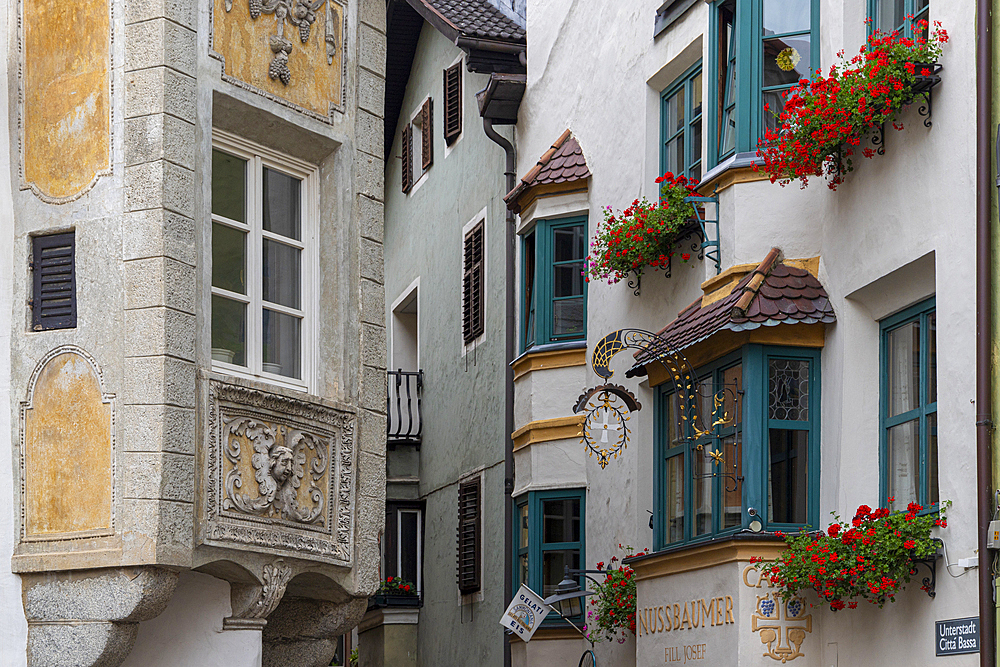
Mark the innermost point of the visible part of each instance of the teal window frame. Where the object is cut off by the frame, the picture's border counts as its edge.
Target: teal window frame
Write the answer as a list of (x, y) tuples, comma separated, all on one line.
[(746, 55), (906, 26), (538, 296), (536, 548), (685, 84), (755, 427), (921, 313)]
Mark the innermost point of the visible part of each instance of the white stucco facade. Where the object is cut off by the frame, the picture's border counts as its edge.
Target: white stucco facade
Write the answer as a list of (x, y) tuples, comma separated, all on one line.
[(898, 231)]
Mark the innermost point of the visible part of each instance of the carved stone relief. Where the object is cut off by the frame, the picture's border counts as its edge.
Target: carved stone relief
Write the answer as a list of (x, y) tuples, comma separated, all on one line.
[(252, 604), (280, 475)]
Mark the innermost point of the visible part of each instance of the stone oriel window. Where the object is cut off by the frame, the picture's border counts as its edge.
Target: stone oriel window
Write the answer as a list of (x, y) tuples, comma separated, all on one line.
[(264, 261)]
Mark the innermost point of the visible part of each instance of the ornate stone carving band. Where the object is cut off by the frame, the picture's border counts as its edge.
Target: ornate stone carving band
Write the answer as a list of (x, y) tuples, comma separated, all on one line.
[(280, 475)]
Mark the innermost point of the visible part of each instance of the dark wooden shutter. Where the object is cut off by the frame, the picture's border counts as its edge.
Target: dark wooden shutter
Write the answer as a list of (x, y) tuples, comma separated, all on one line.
[(453, 102), (472, 286), (469, 529), (407, 157), (426, 134), (53, 266)]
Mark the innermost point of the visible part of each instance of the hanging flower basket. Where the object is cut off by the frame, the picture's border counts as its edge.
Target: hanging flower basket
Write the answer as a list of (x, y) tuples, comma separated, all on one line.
[(824, 120), (870, 559), (645, 234)]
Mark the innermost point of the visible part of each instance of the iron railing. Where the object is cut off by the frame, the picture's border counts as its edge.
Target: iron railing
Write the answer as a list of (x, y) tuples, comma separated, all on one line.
[(405, 422)]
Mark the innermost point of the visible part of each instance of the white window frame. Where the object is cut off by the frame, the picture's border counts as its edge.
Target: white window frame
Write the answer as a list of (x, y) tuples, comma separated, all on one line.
[(258, 157), (420, 545), (417, 152)]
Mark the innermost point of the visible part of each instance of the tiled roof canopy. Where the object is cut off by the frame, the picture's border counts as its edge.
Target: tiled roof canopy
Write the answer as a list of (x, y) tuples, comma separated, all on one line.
[(563, 162), (773, 293), (477, 18)]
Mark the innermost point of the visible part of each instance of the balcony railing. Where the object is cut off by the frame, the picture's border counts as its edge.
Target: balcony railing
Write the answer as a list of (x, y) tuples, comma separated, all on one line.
[(405, 421)]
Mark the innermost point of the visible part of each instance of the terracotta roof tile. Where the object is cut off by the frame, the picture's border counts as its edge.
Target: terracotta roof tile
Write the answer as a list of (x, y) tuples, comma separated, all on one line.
[(563, 162), (773, 293), (478, 18)]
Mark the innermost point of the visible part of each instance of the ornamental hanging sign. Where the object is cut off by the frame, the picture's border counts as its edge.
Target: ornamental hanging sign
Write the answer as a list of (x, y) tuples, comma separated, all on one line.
[(605, 431)]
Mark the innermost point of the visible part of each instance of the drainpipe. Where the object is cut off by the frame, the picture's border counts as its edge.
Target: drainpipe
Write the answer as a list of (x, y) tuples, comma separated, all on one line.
[(508, 467), (984, 422)]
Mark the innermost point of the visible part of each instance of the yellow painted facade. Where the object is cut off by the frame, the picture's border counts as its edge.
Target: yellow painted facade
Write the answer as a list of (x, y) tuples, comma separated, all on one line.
[(68, 452), (244, 44), (66, 88)]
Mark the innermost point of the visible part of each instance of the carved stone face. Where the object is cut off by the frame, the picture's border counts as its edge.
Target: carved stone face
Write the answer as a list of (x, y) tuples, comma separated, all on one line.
[(281, 464)]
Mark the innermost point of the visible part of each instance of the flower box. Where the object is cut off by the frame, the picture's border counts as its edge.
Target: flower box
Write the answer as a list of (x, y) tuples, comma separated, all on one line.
[(380, 601)]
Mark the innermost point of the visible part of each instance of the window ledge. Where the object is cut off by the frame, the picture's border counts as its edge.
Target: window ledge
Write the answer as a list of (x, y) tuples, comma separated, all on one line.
[(668, 14), (738, 547), (553, 355), (737, 168)]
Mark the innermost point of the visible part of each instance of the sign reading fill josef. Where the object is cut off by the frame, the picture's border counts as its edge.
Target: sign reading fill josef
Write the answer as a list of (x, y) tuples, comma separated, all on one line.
[(525, 613), (959, 635)]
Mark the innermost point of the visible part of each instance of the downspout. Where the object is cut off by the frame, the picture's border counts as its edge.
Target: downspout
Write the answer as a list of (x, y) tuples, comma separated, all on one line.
[(984, 422), (511, 333)]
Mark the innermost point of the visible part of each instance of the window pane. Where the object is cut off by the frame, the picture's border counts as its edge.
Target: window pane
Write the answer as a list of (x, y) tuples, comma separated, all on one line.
[(904, 463), (786, 60), (728, 143), (931, 492), (568, 279), (932, 354), (696, 95), (732, 383), (229, 186), (774, 101), (732, 492), (675, 429), (567, 316), (782, 16), (528, 250), (890, 15), (554, 564), (522, 569), (702, 493), (408, 546), (229, 258), (282, 204), (282, 355), (229, 331), (705, 398), (522, 512), (282, 274), (788, 393), (561, 520), (675, 498), (787, 476), (570, 243), (903, 346), (674, 159), (695, 149), (675, 111)]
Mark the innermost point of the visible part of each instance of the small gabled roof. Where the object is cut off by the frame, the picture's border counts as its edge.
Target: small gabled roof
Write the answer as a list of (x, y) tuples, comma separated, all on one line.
[(476, 19), (773, 293), (563, 162)]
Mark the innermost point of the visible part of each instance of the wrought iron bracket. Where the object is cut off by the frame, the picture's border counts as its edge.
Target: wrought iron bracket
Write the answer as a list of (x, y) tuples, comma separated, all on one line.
[(929, 583), (923, 85), (709, 244)]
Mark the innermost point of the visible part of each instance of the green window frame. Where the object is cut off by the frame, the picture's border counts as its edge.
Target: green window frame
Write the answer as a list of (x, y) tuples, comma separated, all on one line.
[(541, 546), (773, 434), (890, 15), (554, 292), (681, 111), (907, 424), (746, 38)]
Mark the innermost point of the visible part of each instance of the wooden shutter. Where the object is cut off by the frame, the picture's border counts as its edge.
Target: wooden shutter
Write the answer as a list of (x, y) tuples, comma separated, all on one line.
[(453, 102), (407, 157), (426, 135), (472, 285), (53, 266), (469, 529)]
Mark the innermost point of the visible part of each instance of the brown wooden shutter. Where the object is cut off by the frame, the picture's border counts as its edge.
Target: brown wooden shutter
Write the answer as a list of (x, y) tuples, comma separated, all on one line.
[(407, 158), (469, 529), (472, 285), (53, 266), (453, 102), (426, 135)]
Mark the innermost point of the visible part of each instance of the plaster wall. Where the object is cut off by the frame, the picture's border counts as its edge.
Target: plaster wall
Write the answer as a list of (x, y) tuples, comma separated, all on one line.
[(910, 211), (462, 401), (195, 612)]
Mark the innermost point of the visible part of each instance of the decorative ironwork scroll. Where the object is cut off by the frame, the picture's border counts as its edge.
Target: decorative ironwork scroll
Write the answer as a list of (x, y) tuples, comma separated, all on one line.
[(607, 415)]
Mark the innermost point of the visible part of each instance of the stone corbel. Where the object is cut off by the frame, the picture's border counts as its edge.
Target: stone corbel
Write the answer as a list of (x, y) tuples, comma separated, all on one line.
[(304, 631), (90, 618), (253, 603)]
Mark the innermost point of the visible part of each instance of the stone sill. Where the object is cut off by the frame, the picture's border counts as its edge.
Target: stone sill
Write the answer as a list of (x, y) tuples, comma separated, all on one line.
[(735, 169), (389, 616), (739, 547)]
